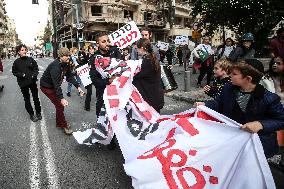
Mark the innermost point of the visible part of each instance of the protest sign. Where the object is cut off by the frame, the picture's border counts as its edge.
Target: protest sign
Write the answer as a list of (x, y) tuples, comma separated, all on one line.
[(125, 36), (83, 73), (163, 45), (181, 40)]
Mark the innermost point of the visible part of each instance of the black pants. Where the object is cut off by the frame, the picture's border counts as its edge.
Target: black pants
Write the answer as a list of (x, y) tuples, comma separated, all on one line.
[(26, 94), (205, 69), (88, 96), (100, 100)]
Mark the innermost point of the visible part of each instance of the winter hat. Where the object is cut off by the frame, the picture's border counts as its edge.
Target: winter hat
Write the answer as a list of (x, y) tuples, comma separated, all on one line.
[(256, 64), (63, 52)]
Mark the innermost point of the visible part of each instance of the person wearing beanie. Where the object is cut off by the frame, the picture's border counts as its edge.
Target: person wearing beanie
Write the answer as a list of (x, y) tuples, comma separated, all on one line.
[(50, 85), (245, 50), (26, 70), (249, 103)]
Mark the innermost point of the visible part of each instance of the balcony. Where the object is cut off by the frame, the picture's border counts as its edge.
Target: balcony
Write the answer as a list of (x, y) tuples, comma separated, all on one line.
[(132, 2)]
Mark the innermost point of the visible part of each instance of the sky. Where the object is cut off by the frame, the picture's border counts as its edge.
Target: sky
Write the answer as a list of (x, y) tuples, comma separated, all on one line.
[(29, 18)]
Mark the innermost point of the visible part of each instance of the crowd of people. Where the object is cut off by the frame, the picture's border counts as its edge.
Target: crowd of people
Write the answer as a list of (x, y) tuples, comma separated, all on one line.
[(241, 88)]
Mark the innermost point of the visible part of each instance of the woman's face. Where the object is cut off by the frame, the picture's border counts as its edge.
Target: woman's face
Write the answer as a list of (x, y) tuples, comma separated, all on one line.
[(278, 65), (228, 42), (141, 51)]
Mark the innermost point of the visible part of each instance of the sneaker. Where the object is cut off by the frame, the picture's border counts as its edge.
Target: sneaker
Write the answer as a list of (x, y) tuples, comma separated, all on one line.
[(33, 118), (68, 131), (69, 94), (39, 117)]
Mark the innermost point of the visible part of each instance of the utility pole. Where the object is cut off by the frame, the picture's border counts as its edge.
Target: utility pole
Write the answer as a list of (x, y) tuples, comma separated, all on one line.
[(54, 37)]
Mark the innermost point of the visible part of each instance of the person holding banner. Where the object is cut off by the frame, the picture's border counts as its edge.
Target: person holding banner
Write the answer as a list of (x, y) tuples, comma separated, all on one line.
[(104, 54), (50, 85), (148, 80), (249, 103), (204, 54), (91, 58)]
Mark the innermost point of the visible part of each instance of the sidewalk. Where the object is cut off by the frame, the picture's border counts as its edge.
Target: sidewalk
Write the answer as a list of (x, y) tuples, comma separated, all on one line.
[(194, 94)]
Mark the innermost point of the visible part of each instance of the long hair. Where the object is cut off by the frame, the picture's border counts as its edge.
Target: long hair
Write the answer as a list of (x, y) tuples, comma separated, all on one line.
[(147, 46)]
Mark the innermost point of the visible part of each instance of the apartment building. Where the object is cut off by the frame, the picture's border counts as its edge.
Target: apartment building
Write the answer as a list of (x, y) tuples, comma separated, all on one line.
[(108, 15), (11, 36), (3, 26)]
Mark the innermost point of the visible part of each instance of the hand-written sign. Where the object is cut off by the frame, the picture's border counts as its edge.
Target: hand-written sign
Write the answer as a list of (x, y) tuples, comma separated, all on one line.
[(83, 73), (181, 40), (125, 36), (163, 46)]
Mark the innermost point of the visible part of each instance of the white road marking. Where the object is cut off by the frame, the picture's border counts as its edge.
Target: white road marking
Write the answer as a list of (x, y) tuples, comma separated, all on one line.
[(53, 182), (34, 172)]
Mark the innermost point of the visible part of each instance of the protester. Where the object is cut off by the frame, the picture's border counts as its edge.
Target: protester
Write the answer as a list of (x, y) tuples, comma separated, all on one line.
[(74, 59), (126, 54), (225, 50), (204, 55), (50, 85), (147, 81), (221, 73), (185, 55), (89, 88), (245, 50), (277, 44), (1, 71), (170, 55), (179, 55), (82, 56), (104, 53), (26, 70), (147, 34), (249, 103)]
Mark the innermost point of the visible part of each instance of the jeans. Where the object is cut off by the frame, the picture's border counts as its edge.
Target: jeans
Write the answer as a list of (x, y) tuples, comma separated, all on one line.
[(26, 94), (60, 118), (69, 86)]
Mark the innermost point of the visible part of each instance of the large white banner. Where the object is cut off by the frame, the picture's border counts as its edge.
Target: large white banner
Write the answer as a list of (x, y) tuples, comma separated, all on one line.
[(125, 36), (83, 73), (198, 148)]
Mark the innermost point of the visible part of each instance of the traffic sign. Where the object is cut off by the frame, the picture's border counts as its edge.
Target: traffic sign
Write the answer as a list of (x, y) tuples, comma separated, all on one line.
[(78, 26)]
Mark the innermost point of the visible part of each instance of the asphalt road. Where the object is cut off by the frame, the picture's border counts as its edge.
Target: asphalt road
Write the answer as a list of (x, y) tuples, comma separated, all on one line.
[(39, 155)]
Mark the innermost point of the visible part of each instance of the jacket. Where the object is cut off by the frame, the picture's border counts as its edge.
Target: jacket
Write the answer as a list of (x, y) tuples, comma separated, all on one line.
[(53, 76), (263, 106), (26, 70), (148, 83), (241, 53)]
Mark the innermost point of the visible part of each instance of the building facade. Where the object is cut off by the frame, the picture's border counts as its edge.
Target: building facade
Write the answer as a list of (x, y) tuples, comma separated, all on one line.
[(76, 22)]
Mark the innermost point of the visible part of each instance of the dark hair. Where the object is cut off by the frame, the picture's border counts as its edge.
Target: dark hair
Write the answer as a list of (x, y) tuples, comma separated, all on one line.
[(233, 42), (270, 71), (100, 34), (18, 48), (248, 70), (91, 47), (146, 29), (146, 44)]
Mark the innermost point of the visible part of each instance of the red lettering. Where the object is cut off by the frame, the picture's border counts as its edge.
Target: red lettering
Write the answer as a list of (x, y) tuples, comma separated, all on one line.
[(187, 126), (111, 90)]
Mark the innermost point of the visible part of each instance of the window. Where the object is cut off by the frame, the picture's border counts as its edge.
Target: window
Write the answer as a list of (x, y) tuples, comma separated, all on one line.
[(97, 10), (128, 14)]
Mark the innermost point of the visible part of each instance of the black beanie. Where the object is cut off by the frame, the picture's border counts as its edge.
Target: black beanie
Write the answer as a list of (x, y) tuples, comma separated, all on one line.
[(256, 64)]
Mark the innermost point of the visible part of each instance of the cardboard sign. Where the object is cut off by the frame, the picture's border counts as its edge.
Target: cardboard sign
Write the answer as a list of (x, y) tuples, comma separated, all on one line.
[(125, 36), (181, 40), (83, 72), (163, 46)]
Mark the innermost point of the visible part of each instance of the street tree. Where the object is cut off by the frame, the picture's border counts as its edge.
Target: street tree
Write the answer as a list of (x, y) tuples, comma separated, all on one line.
[(47, 34), (239, 15)]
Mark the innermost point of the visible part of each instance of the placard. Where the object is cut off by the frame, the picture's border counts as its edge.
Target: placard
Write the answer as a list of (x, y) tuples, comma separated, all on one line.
[(181, 40), (125, 36), (83, 73), (163, 45)]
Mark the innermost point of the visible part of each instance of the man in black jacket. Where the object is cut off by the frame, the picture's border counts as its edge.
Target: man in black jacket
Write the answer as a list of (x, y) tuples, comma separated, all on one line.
[(50, 85), (105, 51), (26, 70)]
